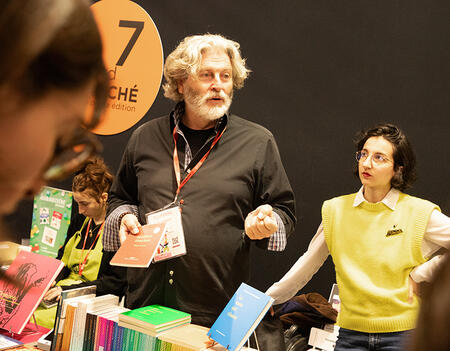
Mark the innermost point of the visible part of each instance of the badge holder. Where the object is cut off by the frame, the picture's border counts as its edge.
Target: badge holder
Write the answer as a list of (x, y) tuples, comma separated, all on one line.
[(172, 243)]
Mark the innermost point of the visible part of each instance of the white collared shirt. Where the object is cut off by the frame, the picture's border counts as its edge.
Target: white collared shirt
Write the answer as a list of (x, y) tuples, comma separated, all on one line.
[(437, 235)]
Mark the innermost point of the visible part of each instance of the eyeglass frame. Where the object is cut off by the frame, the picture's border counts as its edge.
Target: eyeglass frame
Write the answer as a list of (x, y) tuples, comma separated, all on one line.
[(359, 157)]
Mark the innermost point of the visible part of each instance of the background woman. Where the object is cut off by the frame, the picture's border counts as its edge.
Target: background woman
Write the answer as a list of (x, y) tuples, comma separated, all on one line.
[(380, 239), (82, 251)]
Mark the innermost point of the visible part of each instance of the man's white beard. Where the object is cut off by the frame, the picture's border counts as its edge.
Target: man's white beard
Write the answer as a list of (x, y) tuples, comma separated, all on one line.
[(200, 107)]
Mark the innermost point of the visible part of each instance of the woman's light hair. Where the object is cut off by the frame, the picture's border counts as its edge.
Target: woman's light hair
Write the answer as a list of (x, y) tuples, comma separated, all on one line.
[(186, 58)]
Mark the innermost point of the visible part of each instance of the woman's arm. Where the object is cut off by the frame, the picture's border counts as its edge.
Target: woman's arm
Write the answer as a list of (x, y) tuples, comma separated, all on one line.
[(436, 237), (302, 271)]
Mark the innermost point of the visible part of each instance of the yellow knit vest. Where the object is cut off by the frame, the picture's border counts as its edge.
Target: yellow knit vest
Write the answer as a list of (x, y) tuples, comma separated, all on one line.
[(374, 250)]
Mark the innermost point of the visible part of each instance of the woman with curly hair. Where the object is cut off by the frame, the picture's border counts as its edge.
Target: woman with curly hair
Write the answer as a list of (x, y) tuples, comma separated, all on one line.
[(82, 251)]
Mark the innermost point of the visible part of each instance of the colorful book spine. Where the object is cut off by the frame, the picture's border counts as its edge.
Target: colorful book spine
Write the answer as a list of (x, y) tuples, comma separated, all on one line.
[(97, 333), (113, 341), (109, 339), (120, 331), (126, 333), (68, 325), (131, 340), (87, 332)]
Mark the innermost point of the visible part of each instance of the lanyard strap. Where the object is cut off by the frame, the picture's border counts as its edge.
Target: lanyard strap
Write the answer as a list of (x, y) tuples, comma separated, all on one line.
[(176, 162), (82, 264)]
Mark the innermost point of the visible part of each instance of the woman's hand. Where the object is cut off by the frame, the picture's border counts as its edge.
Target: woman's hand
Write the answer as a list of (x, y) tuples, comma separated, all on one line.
[(413, 289), (53, 294)]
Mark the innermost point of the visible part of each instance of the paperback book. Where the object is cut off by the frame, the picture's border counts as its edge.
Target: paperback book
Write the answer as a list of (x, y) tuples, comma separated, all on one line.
[(240, 317), (27, 280), (66, 297), (153, 319), (139, 250)]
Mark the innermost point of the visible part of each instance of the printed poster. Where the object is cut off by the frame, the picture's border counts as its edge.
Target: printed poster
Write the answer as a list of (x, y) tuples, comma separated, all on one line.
[(52, 209)]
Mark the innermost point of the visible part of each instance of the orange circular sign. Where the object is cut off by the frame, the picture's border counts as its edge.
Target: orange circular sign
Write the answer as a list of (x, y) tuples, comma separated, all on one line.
[(133, 56)]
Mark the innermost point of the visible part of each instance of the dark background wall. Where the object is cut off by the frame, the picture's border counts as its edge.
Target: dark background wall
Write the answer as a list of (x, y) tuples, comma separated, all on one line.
[(321, 71)]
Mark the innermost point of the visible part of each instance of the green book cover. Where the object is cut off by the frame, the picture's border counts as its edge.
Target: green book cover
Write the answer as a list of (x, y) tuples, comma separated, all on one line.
[(52, 209), (137, 341), (157, 345), (124, 341), (131, 336), (152, 341), (154, 316)]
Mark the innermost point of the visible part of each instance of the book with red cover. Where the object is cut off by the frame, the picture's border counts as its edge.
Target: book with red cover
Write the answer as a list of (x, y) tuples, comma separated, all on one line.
[(139, 250), (31, 333), (29, 277)]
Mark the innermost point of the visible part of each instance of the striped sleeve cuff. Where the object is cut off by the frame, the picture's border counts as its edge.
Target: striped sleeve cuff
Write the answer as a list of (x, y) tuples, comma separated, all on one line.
[(110, 238), (277, 241)]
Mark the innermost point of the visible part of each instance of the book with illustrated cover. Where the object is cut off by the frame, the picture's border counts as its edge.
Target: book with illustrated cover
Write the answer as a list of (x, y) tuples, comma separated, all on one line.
[(52, 209), (139, 250), (28, 278), (154, 318), (30, 334), (240, 317)]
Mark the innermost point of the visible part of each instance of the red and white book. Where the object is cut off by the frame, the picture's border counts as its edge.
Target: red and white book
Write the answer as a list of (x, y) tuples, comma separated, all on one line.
[(139, 250), (27, 280)]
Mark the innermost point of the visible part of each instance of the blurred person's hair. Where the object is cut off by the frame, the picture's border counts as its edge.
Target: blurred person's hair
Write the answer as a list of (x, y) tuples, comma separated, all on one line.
[(50, 45)]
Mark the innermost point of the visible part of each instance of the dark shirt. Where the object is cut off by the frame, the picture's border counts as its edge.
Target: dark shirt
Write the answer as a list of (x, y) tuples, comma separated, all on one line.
[(242, 172), (196, 138)]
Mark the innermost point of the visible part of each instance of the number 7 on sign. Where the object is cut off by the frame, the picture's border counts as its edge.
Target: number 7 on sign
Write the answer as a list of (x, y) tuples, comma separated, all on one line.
[(139, 26)]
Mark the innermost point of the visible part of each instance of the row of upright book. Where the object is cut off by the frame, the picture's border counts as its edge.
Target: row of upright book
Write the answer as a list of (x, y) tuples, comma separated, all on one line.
[(97, 323), (86, 322)]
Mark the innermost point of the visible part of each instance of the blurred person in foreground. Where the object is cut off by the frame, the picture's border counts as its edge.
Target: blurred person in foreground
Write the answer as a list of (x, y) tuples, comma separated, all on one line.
[(50, 68), (381, 241), (432, 331)]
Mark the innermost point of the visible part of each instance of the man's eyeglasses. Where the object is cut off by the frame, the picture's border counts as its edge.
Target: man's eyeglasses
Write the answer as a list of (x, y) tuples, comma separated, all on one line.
[(378, 159)]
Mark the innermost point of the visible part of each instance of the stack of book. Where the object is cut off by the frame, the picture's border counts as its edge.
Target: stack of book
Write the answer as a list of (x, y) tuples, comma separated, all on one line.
[(188, 337), (154, 319), (86, 322)]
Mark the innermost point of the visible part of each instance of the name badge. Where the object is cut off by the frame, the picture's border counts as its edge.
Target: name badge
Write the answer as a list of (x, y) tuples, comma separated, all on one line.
[(172, 243)]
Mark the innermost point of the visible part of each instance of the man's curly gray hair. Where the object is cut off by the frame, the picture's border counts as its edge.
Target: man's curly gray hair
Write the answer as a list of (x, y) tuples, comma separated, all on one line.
[(186, 58)]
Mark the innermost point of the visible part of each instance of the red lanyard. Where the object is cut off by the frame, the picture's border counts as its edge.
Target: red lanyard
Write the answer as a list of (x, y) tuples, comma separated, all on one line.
[(81, 265), (176, 163)]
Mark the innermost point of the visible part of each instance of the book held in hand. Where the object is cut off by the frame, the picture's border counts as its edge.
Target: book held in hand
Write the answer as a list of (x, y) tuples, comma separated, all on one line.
[(240, 317), (28, 278), (139, 250)]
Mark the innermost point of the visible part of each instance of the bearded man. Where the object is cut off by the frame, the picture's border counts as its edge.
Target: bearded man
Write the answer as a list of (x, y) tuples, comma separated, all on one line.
[(224, 174)]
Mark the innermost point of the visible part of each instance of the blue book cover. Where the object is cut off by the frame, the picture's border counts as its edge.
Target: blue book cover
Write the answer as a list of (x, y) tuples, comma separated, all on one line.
[(240, 317), (114, 339), (120, 338)]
